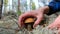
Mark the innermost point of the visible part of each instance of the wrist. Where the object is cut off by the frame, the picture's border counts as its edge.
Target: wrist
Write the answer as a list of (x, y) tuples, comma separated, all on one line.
[(44, 10)]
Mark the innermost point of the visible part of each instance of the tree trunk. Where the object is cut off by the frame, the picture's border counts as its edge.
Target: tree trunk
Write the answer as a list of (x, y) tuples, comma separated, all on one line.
[(18, 5), (1, 5)]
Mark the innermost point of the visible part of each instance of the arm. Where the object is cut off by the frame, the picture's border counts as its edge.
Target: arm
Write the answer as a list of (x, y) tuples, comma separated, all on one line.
[(50, 9), (53, 7)]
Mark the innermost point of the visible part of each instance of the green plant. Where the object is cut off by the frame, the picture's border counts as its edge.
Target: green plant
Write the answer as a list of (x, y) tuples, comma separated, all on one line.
[(19, 12), (33, 6), (5, 2)]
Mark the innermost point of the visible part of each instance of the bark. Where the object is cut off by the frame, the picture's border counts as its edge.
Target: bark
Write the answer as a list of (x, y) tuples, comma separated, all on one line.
[(18, 5), (1, 5)]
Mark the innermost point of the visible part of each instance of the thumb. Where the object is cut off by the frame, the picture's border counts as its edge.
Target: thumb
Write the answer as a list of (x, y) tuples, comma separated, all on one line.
[(51, 26), (37, 21), (59, 31)]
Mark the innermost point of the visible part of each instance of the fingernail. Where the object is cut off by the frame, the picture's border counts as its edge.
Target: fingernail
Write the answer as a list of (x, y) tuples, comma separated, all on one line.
[(33, 26)]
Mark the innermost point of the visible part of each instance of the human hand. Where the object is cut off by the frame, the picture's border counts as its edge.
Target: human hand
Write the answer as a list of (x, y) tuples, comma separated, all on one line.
[(55, 24), (35, 13)]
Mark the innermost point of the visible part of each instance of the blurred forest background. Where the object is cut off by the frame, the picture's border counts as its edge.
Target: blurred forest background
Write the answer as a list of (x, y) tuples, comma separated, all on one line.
[(10, 10), (21, 6)]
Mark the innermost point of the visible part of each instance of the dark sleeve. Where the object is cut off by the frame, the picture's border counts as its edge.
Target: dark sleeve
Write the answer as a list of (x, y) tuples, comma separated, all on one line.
[(54, 6)]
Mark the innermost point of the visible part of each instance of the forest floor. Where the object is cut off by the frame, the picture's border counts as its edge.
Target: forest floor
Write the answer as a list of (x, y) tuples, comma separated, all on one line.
[(8, 25)]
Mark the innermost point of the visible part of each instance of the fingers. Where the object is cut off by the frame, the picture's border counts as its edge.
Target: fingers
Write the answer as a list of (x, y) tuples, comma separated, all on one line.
[(56, 23), (23, 16), (20, 23), (59, 31), (39, 18), (51, 26)]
